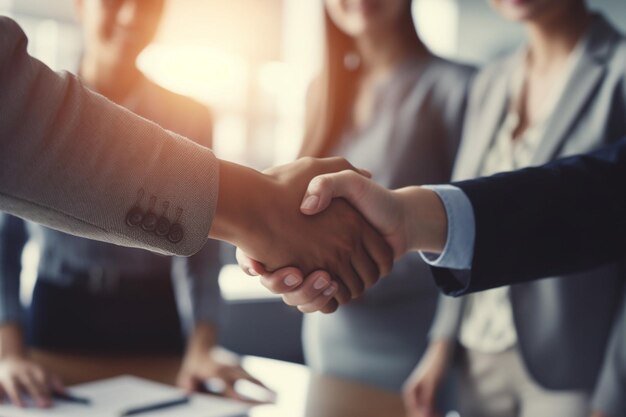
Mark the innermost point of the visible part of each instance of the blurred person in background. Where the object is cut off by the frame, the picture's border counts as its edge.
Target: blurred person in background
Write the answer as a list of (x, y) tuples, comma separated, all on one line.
[(387, 104), (537, 349), (93, 296)]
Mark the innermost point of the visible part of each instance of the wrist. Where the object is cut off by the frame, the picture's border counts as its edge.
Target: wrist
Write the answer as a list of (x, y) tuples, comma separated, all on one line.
[(425, 219), (11, 341), (202, 340), (240, 203)]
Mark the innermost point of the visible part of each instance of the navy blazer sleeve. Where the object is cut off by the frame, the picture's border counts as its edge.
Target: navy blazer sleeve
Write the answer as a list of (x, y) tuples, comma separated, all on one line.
[(563, 217)]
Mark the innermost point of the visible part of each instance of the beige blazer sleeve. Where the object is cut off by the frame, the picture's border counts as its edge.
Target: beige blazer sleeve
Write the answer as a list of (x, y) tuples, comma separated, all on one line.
[(72, 160)]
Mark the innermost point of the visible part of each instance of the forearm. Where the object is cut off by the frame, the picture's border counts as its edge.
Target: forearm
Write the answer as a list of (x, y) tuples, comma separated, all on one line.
[(202, 339)]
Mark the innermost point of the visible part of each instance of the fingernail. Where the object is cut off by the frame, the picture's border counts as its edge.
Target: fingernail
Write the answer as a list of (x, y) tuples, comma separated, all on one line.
[(320, 283), (291, 280), (330, 291), (311, 202), (252, 272)]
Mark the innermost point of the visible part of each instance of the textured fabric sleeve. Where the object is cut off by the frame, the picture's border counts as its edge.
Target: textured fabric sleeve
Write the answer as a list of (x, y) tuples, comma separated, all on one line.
[(12, 241), (74, 161)]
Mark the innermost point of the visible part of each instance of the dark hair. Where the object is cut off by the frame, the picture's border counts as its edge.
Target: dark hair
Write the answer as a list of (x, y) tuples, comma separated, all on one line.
[(331, 96)]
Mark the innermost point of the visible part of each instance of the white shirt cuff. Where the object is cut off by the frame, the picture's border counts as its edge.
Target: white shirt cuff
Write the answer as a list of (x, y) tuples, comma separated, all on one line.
[(459, 249)]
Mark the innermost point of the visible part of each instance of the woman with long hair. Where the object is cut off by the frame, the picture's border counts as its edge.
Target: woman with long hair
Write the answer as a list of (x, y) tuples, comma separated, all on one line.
[(387, 104)]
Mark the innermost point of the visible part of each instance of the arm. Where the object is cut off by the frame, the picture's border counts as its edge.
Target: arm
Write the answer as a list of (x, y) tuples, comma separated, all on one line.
[(18, 374), (73, 161), (422, 386), (575, 204), (204, 359)]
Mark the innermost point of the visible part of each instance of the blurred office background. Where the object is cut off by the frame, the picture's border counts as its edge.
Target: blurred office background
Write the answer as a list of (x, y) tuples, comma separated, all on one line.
[(251, 62)]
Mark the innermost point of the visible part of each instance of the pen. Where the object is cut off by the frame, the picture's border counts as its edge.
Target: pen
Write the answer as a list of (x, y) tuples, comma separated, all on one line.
[(66, 396), (155, 406)]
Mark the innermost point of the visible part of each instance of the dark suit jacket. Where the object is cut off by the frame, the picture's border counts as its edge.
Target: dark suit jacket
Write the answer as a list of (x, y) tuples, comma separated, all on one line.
[(564, 217)]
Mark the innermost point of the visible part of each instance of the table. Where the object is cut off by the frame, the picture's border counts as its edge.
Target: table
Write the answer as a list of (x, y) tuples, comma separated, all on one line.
[(301, 393)]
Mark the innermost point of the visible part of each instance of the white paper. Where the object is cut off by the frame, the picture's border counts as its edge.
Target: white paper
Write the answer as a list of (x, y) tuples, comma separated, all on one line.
[(111, 397)]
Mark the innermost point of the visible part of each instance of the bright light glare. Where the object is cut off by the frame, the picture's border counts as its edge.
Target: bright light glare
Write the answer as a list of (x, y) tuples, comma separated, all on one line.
[(236, 285), (437, 23), (207, 74)]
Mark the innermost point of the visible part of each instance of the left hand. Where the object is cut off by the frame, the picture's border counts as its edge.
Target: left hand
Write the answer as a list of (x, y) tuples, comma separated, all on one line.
[(316, 292), (199, 366)]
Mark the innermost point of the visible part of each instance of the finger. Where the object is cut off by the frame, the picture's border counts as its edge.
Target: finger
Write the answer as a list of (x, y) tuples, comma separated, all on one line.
[(364, 266), (13, 391), (313, 286), (343, 294), (410, 399), (323, 188), (351, 279), (426, 400), (34, 389), (283, 281), (320, 301), (44, 384), (187, 383), (378, 250), (249, 265), (330, 307), (57, 384), (243, 374)]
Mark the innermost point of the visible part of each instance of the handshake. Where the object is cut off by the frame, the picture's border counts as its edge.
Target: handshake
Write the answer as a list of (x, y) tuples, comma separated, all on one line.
[(319, 231)]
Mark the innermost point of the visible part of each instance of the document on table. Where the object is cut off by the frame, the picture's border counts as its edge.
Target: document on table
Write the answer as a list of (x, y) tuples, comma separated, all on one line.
[(112, 397)]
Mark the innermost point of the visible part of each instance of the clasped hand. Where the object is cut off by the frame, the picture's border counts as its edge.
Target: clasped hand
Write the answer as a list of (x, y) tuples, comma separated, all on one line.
[(344, 250), (273, 230), (408, 219)]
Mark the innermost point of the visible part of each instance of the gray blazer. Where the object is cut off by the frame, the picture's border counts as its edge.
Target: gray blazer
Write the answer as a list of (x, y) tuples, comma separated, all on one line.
[(72, 160), (564, 326), (411, 138)]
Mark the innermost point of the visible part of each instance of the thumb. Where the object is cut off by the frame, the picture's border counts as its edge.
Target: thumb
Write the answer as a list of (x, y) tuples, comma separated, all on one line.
[(323, 188)]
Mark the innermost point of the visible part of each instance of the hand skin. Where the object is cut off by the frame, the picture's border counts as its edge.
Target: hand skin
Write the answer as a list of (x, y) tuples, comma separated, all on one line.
[(21, 376), (598, 414), (259, 214), (203, 360), (420, 389), (410, 219)]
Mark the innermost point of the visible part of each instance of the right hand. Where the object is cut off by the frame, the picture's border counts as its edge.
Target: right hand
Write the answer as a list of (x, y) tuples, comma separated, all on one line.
[(380, 206), (420, 389), (260, 215), (21, 376)]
